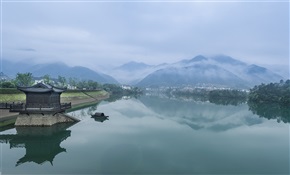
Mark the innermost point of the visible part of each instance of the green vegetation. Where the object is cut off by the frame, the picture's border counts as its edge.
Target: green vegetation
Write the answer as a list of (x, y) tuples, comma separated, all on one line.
[(271, 111), (271, 93), (24, 79), (227, 97), (62, 81), (47, 79), (14, 95), (87, 84), (10, 91), (7, 84), (12, 98), (9, 122), (117, 92), (217, 96), (71, 95), (271, 101)]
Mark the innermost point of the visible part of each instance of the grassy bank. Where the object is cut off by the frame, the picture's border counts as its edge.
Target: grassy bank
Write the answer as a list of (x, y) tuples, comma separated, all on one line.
[(7, 122), (79, 99), (12, 98), (70, 96), (14, 95)]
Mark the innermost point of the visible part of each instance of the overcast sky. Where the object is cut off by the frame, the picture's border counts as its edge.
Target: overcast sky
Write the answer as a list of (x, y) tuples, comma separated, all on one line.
[(97, 34)]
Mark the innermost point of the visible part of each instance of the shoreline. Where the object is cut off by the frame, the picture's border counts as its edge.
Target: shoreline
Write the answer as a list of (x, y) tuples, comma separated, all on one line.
[(7, 118)]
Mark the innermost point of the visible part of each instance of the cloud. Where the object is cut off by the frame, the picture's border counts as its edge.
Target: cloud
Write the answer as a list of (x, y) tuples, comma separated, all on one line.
[(26, 49), (92, 34)]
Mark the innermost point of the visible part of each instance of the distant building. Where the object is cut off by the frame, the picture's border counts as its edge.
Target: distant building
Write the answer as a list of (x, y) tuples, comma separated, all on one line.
[(126, 87)]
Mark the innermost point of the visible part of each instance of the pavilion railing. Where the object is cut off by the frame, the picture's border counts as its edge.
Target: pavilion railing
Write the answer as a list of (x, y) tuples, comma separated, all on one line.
[(21, 107)]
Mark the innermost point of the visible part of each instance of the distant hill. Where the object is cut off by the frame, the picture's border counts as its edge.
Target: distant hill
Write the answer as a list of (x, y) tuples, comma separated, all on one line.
[(133, 66), (56, 69), (222, 71), (133, 72)]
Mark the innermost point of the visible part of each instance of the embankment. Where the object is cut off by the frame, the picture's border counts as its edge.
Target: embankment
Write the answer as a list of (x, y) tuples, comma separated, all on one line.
[(77, 98)]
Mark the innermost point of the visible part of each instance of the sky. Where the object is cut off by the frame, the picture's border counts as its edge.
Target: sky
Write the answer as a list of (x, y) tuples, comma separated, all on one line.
[(110, 33)]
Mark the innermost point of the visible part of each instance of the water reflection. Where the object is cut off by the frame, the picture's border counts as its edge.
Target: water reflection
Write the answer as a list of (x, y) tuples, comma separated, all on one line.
[(271, 111), (82, 113), (172, 136), (202, 115), (160, 136), (89, 111), (42, 144), (227, 101)]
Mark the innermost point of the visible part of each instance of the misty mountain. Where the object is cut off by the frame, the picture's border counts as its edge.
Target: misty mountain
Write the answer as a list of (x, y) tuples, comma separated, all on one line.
[(198, 74), (56, 69), (133, 66), (133, 72), (221, 71), (12, 68)]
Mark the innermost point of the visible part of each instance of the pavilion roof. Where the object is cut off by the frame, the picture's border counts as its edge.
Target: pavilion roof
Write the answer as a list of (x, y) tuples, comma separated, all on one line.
[(41, 88)]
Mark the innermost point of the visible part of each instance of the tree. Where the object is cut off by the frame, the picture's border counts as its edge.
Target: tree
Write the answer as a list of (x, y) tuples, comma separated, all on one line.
[(82, 84), (271, 93), (24, 79), (46, 79), (7, 84), (92, 84), (62, 80)]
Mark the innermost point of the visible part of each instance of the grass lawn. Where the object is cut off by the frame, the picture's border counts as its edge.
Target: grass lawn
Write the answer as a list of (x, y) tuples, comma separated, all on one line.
[(71, 95), (66, 96), (12, 98)]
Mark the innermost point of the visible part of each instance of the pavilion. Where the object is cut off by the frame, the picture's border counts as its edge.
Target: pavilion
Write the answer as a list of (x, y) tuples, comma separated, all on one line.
[(43, 106), (41, 99)]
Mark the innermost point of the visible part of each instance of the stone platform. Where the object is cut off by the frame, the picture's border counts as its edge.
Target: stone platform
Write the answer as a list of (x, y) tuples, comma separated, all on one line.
[(43, 120)]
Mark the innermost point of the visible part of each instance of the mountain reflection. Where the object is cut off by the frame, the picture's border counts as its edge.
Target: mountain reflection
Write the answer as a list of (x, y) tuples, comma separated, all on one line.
[(271, 111), (202, 115), (41, 143)]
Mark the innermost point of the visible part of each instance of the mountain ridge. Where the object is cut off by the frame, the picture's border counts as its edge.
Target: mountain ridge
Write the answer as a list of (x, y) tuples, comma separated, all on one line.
[(56, 69), (220, 71)]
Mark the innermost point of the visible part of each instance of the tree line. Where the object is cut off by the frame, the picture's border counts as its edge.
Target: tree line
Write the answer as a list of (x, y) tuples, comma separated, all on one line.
[(271, 101), (264, 93), (217, 96), (271, 93), (27, 79)]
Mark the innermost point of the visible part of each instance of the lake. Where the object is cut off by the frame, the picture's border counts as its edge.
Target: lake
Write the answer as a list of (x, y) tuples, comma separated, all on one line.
[(152, 135)]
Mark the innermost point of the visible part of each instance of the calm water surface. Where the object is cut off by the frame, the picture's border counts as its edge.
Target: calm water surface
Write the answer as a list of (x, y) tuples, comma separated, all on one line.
[(152, 135)]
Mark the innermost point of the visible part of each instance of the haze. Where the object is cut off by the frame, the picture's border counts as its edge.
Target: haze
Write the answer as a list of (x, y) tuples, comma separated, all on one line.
[(107, 34)]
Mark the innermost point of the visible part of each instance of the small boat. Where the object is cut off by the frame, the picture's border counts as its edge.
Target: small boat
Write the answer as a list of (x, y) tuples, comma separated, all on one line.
[(99, 114), (100, 117)]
